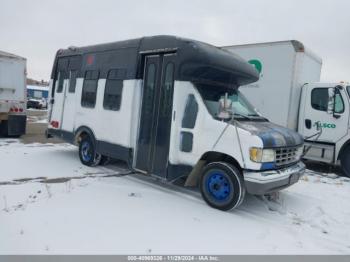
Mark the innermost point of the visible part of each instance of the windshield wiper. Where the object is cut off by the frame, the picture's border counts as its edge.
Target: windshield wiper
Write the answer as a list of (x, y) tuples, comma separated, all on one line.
[(241, 115), (261, 117)]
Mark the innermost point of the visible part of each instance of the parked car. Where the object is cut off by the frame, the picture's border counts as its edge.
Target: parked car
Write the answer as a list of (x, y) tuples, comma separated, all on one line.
[(37, 103), (37, 96)]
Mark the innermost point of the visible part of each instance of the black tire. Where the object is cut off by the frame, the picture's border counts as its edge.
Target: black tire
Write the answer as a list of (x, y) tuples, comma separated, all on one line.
[(105, 160), (222, 186), (345, 161), (3, 128), (87, 152)]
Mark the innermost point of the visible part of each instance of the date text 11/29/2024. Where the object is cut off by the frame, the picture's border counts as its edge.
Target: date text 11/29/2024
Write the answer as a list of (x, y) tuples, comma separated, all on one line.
[(173, 258)]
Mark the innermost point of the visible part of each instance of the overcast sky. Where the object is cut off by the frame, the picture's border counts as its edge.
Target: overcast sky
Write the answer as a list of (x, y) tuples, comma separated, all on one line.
[(37, 29)]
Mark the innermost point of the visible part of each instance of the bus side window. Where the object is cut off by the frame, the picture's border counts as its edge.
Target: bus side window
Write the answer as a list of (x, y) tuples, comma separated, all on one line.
[(191, 111), (89, 92), (113, 89), (60, 79), (72, 81), (61, 73), (186, 141), (188, 121)]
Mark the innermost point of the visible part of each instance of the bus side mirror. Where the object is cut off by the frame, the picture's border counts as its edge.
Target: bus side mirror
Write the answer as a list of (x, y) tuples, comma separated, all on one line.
[(330, 107), (225, 108)]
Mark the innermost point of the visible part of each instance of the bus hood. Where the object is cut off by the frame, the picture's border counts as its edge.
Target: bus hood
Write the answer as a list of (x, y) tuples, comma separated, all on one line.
[(272, 135)]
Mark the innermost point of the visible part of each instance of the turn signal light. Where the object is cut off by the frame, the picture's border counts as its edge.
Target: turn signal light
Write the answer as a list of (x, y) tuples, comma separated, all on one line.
[(260, 155), (16, 109)]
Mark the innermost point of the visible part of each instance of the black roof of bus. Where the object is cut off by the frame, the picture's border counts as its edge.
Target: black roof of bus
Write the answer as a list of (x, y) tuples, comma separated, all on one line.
[(195, 60)]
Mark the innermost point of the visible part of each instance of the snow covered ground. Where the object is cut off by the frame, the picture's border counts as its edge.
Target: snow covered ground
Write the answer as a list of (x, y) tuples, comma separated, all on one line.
[(36, 115), (51, 204)]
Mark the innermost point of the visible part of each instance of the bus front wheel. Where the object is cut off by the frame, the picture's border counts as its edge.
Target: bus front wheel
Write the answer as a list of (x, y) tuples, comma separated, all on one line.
[(222, 186)]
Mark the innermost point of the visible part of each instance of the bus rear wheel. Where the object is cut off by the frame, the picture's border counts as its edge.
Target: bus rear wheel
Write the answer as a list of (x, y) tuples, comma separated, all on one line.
[(87, 152), (222, 186), (345, 161)]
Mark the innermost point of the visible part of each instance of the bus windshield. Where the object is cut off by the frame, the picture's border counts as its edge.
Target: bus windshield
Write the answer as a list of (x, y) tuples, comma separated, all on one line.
[(240, 105)]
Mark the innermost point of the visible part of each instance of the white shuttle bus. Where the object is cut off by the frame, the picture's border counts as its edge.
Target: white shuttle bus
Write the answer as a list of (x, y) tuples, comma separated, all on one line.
[(171, 108)]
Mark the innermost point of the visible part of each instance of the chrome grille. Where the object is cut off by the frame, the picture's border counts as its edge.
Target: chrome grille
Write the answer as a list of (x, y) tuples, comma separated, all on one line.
[(287, 155)]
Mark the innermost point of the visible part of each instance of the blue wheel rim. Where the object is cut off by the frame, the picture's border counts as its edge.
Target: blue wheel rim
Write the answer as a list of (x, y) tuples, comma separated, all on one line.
[(218, 186), (85, 151)]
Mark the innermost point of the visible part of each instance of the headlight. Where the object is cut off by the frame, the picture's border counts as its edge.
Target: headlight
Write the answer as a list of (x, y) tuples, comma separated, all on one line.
[(260, 155)]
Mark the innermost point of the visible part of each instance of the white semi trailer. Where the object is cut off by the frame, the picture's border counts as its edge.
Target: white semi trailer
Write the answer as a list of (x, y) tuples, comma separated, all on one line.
[(12, 95), (289, 93)]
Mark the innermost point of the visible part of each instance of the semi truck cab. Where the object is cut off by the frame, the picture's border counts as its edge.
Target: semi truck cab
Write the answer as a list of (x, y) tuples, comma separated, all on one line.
[(324, 123), (289, 93)]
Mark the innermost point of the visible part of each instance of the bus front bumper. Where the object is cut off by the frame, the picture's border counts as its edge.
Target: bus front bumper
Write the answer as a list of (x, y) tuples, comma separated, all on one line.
[(265, 182)]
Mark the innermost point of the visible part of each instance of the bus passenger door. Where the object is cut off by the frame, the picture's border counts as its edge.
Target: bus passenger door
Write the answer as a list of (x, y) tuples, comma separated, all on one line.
[(156, 113), (58, 91), (150, 83), (69, 99), (164, 117)]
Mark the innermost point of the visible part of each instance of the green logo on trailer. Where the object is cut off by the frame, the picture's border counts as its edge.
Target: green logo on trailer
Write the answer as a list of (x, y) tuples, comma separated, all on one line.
[(257, 64), (324, 125)]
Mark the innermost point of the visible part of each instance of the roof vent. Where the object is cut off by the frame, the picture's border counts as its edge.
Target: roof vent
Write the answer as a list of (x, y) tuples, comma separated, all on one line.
[(72, 48)]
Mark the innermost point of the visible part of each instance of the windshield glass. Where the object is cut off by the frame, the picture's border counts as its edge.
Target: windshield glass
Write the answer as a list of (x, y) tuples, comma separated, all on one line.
[(348, 89), (240, 105)]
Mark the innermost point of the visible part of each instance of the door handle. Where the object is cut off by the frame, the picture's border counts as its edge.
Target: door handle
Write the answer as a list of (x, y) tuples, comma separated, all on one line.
[(308, 123), (336, 116)]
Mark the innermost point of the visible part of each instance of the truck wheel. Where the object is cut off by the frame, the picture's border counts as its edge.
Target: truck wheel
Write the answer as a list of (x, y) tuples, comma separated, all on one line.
[(3, 129), (222, 186), (87, 152), (345, 161)]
